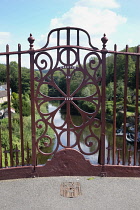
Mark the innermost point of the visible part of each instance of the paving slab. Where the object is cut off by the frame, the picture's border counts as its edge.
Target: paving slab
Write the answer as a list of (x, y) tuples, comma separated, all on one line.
[(98, 193)]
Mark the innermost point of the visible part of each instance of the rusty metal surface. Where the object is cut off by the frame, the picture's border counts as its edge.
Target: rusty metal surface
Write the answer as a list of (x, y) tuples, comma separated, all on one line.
[(97, 170), (32, 108), (137, 114), (114, 107), (68, 162), (9, 106), (68, 60), (20, 104), (125, 106)]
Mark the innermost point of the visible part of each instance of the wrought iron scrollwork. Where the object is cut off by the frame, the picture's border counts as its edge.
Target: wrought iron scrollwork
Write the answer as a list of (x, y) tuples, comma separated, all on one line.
[(69, 63)]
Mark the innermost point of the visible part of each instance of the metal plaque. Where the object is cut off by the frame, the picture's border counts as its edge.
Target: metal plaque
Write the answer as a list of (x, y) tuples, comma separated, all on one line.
[(70, 189)]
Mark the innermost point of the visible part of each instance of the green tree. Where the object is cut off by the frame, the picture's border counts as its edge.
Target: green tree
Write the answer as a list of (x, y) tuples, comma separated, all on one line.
[(26, 80), (110, 91), (14, 76), (120, 90), (2, 73), (26, 107), (109, 69)]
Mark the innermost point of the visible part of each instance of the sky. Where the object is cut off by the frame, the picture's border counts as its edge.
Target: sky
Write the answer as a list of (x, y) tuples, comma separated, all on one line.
[(118, 19)]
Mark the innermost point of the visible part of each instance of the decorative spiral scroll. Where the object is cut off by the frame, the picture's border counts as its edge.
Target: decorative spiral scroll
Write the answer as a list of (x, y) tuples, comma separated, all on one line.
[(46, 144), (91, 139), (43, 62), (69, 98), (94, 61), (44, 140)]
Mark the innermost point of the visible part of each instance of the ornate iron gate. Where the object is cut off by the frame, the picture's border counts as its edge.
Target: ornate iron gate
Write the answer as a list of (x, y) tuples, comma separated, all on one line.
[(69, 61)]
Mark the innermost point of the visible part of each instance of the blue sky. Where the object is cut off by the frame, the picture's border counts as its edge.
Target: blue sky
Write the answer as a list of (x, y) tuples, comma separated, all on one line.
[(119, 19)]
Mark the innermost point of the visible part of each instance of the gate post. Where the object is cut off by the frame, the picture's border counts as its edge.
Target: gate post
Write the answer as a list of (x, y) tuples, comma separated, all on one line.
[(32, 108), (103, 101), (31, 41)]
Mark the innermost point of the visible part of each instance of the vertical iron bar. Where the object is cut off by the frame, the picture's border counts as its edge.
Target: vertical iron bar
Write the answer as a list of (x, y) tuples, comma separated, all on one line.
[(114, 107), (137, 105), (78, 54), (68, 88), (32, 108), (68, 36), (28, 159), (20, 104), (138, 157), (17, 158), (9, 105), (68, 96), (58, 38), (77, 37), (68, 125), (103, 106), (129, 158), (6, 160), (108, 156), (119, 150), (125, 106)]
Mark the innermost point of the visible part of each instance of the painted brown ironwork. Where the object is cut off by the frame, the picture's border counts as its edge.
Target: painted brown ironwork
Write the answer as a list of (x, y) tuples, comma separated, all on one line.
[(114, 106), (20, 104), (68, 68), (69, 59), (9, 104)]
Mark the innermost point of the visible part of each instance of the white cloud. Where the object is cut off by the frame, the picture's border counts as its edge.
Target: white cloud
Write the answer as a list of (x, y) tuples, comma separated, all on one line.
[(95, 16), (91, 18), (94, 20)]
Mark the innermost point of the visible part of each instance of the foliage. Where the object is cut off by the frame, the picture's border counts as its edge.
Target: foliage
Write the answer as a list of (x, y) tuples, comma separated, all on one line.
[(4, 105), (16, 139), (110, 91), (2, 73), (26, 107), (120, 69), (14, 75), (109, 109)]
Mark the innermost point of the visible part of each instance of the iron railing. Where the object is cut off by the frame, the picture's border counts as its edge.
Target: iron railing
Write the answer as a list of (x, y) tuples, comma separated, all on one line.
[(110, 154)]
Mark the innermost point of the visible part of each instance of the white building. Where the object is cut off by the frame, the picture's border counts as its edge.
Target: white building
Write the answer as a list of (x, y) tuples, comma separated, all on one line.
[(3, 93)]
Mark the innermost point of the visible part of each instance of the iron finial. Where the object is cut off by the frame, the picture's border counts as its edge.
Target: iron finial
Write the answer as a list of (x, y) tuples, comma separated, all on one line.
[(31, 41), (104, 40)]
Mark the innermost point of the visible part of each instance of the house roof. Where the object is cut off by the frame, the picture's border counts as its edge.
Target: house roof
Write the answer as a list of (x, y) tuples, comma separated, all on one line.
[(3, 93), (3, 87)]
